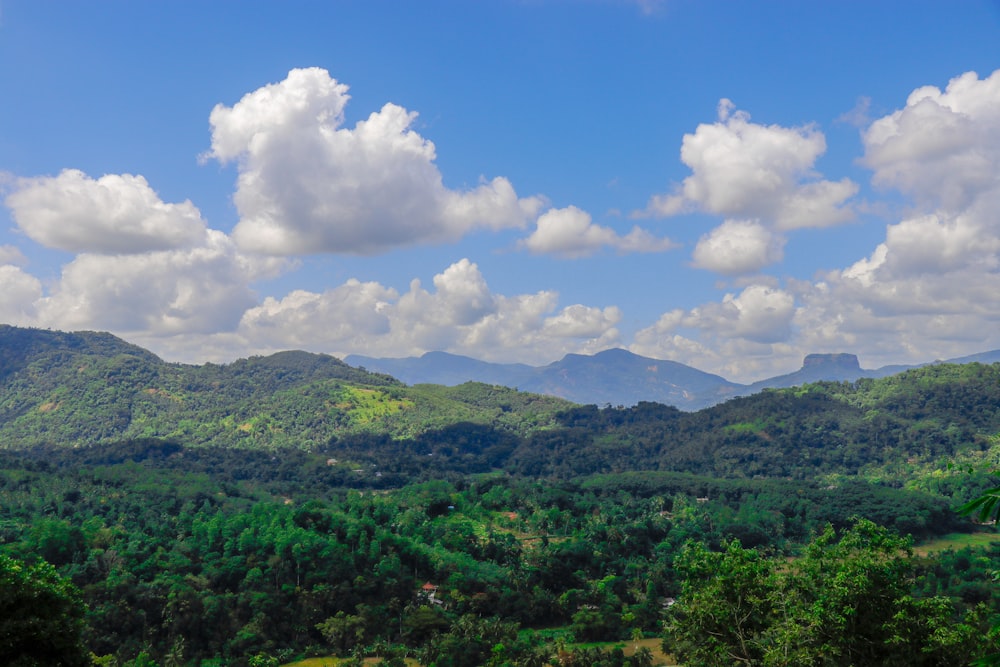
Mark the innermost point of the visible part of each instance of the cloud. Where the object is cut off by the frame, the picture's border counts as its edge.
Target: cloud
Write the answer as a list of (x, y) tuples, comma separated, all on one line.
[(943, 150), (932, 245), (12, 255), (570, 232), (347, 317), (762, 180), (167, 292), (307, 184), (738, 247), (758, 314), (19, 295), (745, 170), (462, 297), (942, 147), (142, 267), (461, 315), (744, 337), (929, 289), (860, 115), (109, 215), (582, 322)]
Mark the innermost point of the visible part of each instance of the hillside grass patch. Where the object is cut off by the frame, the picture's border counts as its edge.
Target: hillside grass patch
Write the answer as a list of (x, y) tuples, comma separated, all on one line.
[(956, 541)]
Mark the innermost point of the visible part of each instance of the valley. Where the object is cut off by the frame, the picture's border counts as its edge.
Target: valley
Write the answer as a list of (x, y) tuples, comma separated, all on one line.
[(292, 506)]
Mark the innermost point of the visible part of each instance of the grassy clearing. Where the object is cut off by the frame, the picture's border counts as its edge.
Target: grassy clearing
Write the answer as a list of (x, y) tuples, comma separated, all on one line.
[(628, 647), (334, 662), (956, 541)]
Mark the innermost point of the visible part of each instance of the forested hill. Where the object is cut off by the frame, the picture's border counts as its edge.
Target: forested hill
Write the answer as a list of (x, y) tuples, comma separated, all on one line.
[(897, 428), (294, 506), (21, 348), (85, 388)]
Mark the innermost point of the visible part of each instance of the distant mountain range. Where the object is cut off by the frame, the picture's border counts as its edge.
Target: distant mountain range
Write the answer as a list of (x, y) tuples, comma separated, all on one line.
[(80, 388), (53, 369), (619, 377)]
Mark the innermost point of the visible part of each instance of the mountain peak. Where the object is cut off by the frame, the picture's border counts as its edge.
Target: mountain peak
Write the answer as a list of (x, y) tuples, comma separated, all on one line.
[(616, 353), (841, 360)]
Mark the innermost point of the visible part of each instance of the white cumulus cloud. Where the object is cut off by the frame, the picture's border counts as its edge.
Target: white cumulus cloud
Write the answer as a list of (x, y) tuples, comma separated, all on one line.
[(738, 247), (12, 255), (746, 170), (929, 289), (460, 315), (18, 296), (744, 336), (116, 213), (759, 313), (308, 184), (351, 316), (570, 232), (942, 147), (167, 292)]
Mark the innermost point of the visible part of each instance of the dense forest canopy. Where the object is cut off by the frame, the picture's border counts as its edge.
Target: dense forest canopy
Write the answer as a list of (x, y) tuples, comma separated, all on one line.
[(290, 505)]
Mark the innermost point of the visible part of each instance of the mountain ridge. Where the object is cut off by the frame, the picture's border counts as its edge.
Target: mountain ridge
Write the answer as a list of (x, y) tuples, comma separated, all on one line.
[(632, 378), (87, 387), (615, 377)]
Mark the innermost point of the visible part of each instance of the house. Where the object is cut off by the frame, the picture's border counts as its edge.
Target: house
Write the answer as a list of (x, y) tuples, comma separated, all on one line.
[(428, 593)]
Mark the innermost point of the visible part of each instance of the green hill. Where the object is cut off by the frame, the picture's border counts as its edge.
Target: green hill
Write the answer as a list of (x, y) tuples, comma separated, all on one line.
[(894, 428), (85, 388), (73, 389), (290, 505)]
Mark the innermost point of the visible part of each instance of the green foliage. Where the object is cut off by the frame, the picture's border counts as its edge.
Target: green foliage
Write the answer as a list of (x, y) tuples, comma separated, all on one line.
[(846, 601), (343, 631), (78, 389), (197, 553), (41, 617), (986, 507), (726, 608), (290, 505)]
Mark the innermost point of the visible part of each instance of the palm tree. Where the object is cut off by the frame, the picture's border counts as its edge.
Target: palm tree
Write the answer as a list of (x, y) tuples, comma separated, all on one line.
[(175, 656)]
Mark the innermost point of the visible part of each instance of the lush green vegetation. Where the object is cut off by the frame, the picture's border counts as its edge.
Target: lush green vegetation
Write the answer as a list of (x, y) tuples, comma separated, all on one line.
[(198, 554), (846, 601), (290, 506), (41, 617), (81, 389)]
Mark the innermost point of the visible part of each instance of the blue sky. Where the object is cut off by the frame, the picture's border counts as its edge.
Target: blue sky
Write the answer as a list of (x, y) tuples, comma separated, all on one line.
[(731, 185)]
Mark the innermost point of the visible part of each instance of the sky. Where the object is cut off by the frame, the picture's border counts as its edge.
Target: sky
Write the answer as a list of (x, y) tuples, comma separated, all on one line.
[(729, 185)]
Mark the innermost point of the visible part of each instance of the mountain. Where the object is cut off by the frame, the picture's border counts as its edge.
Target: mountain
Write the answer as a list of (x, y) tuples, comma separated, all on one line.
[(991, 357), (20, 347), (88, 387), (619, 377), (615, 377), (837, 367), (85, 388), (445, 368)]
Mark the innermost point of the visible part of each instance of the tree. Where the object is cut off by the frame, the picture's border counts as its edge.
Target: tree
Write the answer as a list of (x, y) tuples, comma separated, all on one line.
[(473, 642), (987, 509), (845, 602), (726, 605), (41, 617), (343, 631)]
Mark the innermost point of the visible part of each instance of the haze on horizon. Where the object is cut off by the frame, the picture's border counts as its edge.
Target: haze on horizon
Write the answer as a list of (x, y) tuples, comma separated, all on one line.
[(730, 186)]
